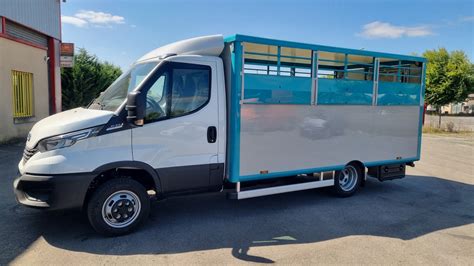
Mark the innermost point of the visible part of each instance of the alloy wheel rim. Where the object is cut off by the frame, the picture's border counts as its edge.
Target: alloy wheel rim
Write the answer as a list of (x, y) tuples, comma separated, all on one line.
[(348, 178), (121, 209)]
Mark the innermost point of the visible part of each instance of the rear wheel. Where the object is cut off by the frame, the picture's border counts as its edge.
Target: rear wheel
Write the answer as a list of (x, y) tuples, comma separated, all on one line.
[(347, 181), (118, 206)]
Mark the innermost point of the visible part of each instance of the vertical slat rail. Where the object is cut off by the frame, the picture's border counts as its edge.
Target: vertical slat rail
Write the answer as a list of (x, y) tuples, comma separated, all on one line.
[(278, 60), (314, 77), (376, 81), (15, 94)]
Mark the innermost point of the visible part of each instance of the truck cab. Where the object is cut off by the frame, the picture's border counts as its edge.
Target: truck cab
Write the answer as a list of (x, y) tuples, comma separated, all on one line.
[(183, 105)]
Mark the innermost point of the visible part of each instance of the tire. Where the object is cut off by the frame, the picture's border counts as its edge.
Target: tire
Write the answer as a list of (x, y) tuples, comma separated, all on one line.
[(118, 206), (347, 181)]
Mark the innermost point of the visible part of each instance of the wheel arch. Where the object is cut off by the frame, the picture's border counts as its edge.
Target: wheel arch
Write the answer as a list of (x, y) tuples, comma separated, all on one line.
[(152, 180)]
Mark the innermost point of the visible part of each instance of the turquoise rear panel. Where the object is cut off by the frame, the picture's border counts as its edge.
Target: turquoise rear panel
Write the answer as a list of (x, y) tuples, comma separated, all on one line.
[(341, 91), (395, 93), (277, 89)]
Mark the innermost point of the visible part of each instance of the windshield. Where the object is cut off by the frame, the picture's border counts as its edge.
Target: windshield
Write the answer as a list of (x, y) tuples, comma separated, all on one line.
[(116, 93)]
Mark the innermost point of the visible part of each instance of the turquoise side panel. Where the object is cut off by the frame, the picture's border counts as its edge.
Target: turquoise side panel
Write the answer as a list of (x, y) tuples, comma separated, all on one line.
[(343, 91), (277, 89), (234, 117), (394, 93)]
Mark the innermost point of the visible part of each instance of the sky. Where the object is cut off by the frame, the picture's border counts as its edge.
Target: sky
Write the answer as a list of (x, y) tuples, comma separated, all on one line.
[(120, 31)]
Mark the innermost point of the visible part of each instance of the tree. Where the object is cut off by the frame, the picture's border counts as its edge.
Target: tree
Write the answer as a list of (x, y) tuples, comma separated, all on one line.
[(449, 78), (86, 79)]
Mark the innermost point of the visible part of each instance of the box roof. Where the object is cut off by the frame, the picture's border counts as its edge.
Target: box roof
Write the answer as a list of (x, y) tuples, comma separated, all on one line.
[(253, 39)]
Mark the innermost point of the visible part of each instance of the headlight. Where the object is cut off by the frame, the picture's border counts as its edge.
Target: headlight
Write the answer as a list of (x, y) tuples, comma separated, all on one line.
[(66, 140)]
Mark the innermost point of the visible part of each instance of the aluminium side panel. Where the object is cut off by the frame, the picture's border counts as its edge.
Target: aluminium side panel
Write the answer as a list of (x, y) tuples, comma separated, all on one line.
[(294, 139)]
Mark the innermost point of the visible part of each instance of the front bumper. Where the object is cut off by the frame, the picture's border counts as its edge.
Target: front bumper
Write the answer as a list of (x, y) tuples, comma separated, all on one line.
[(53, 192)]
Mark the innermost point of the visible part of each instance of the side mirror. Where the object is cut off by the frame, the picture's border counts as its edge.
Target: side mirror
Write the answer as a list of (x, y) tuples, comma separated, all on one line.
[(135, 108)]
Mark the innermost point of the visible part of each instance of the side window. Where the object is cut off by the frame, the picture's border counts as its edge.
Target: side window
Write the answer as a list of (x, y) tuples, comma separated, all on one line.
[(190, 90), (156, 99)]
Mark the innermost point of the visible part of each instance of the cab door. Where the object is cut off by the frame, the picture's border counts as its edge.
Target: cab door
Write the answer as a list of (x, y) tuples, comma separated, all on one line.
[(179, 137)]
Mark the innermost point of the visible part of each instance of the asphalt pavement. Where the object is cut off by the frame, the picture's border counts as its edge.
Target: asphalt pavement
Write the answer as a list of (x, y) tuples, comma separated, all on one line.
[(425, 218)]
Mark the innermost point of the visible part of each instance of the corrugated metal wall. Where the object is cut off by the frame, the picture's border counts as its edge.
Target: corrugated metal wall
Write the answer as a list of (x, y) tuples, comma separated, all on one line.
[(41, 15), (26, 34)]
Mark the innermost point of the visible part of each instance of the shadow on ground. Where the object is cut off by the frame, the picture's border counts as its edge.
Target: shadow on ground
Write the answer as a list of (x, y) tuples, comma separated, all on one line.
[(402, 209)]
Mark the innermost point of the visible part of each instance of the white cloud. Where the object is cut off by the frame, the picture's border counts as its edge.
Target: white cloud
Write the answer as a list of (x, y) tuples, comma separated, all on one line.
[(74, 21), (94, 17), (466, 19), (378, 29), (85, 18)]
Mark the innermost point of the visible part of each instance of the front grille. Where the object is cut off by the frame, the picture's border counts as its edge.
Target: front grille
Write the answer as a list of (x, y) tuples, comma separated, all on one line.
[(27, 153)]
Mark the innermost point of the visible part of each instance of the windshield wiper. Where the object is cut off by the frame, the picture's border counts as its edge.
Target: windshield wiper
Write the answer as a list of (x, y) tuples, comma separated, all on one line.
[(94, 104)]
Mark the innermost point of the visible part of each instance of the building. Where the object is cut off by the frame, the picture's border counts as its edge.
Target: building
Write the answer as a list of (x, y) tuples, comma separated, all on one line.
[(30, 80), (466, 107)]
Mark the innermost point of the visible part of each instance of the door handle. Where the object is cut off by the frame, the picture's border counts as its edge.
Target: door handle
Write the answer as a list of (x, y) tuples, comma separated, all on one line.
[(211, 134)]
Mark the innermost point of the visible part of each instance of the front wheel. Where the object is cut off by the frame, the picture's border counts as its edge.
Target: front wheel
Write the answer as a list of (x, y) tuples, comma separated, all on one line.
[(347, 181), (118, 206)]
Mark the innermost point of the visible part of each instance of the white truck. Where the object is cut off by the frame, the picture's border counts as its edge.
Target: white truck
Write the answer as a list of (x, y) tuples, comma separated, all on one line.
[(246, 115)]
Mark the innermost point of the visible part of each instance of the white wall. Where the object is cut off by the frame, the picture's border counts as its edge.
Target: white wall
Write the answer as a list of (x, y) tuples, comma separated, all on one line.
[(21, 57)]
